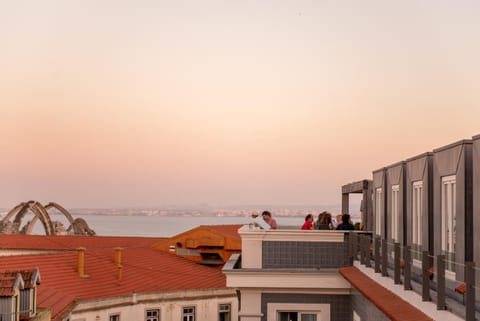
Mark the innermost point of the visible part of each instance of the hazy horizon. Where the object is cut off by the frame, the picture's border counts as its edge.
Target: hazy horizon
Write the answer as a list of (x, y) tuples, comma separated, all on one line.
[(143, 103)]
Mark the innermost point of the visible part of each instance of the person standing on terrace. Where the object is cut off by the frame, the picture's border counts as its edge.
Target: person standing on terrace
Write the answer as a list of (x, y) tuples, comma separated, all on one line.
[(345, 225), (267, 217), (308, 222), (324, 221)]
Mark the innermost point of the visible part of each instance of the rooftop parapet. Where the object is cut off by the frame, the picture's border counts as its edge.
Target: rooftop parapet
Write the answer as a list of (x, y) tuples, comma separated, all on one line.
[(293, 249)]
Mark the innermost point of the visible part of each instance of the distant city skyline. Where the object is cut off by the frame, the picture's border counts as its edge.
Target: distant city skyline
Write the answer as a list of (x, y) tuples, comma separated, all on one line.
[(149, 103)]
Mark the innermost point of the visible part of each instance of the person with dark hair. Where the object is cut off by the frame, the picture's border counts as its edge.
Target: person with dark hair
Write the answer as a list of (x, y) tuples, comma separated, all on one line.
[(267, 217), (345, 225), (324, 221), (308, 222)]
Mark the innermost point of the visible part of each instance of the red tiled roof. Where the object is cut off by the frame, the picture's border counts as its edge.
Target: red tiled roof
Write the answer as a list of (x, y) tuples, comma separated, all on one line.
[(144, 270), (228, 230), (29, 277), (386, 301), (7, 283), (44, 242)]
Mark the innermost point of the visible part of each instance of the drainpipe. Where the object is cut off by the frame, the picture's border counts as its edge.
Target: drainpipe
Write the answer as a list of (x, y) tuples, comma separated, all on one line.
[(119, 272)]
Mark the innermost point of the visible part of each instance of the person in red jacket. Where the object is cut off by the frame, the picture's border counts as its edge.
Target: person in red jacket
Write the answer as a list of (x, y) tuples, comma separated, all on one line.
[(308, 225)]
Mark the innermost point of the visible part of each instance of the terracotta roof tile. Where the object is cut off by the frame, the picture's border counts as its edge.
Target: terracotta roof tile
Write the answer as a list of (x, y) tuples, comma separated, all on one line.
[(44, 242), (144, 270), (28, 276), (386, 301), (8, 282)]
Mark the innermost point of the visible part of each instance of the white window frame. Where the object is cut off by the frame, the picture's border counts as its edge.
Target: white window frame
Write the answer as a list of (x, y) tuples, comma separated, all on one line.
[(378, 211), (449, 220), (417, 219), (395, 215), (321, 310), (152, 318), (189, 316), (222, 310), (417, 212)]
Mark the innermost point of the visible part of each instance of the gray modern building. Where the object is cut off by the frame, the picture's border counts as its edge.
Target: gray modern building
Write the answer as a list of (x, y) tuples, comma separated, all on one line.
[(452, 206), (395, 197), (419, 204), (476, 200)]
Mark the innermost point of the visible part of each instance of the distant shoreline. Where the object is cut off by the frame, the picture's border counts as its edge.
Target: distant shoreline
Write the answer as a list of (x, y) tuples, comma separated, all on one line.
[(205, 211)]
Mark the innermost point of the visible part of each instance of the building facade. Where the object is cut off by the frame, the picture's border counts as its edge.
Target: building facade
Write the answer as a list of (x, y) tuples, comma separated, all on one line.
[(191, 305), (419, 204), (453, 206)]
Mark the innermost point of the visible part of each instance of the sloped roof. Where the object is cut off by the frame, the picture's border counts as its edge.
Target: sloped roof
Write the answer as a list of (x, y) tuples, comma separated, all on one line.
[(68, 242), (29, 277), (227, 230), (144, 270), (9, 282)]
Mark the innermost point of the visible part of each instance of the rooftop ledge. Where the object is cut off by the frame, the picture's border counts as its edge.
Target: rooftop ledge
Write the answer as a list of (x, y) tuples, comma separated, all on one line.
[(293, 233)]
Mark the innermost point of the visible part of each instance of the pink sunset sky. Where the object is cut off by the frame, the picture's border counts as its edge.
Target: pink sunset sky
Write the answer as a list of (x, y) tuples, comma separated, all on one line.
[(147, 103)]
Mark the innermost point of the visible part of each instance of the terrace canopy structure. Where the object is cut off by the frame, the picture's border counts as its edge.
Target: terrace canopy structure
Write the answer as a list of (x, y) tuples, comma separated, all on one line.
[(363, 187)]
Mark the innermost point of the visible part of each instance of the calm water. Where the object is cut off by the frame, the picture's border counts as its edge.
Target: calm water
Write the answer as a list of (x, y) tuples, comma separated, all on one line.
[(157, 226), (128, 225)]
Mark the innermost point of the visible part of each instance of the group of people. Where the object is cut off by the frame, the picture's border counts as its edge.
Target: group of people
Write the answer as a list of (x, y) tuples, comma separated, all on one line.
[(325, 222)]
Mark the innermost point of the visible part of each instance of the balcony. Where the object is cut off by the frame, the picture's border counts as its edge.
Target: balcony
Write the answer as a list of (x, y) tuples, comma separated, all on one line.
[(285, 268)]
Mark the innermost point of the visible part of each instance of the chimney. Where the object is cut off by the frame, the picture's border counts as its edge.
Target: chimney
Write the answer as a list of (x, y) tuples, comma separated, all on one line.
[(119, 272), (81, 262), (118, 256)]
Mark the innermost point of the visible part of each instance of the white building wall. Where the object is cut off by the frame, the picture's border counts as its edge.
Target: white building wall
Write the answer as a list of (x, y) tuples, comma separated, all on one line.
[(170, 304)]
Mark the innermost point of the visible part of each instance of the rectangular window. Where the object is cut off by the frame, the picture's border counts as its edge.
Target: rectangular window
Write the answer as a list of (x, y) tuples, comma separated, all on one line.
[(152, 315), (224, 313), (188, 314), (297, 316), (449, 220), (395, 216), (417, 218), (378, 211), (114, 317)]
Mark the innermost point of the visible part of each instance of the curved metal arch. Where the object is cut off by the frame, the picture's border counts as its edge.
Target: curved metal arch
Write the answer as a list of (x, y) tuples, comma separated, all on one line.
[(23, 210), (12, 212), (78, 226), (62, 210), (43, 216), (39, 212)]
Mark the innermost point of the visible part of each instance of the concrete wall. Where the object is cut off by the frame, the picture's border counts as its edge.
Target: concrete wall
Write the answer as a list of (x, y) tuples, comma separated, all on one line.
[(288, 254), (253, 240), (455, 159), (419, 168), (365, 309)]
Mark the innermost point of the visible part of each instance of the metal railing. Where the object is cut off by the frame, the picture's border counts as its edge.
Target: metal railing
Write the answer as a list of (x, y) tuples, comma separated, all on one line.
[(432, 267)]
